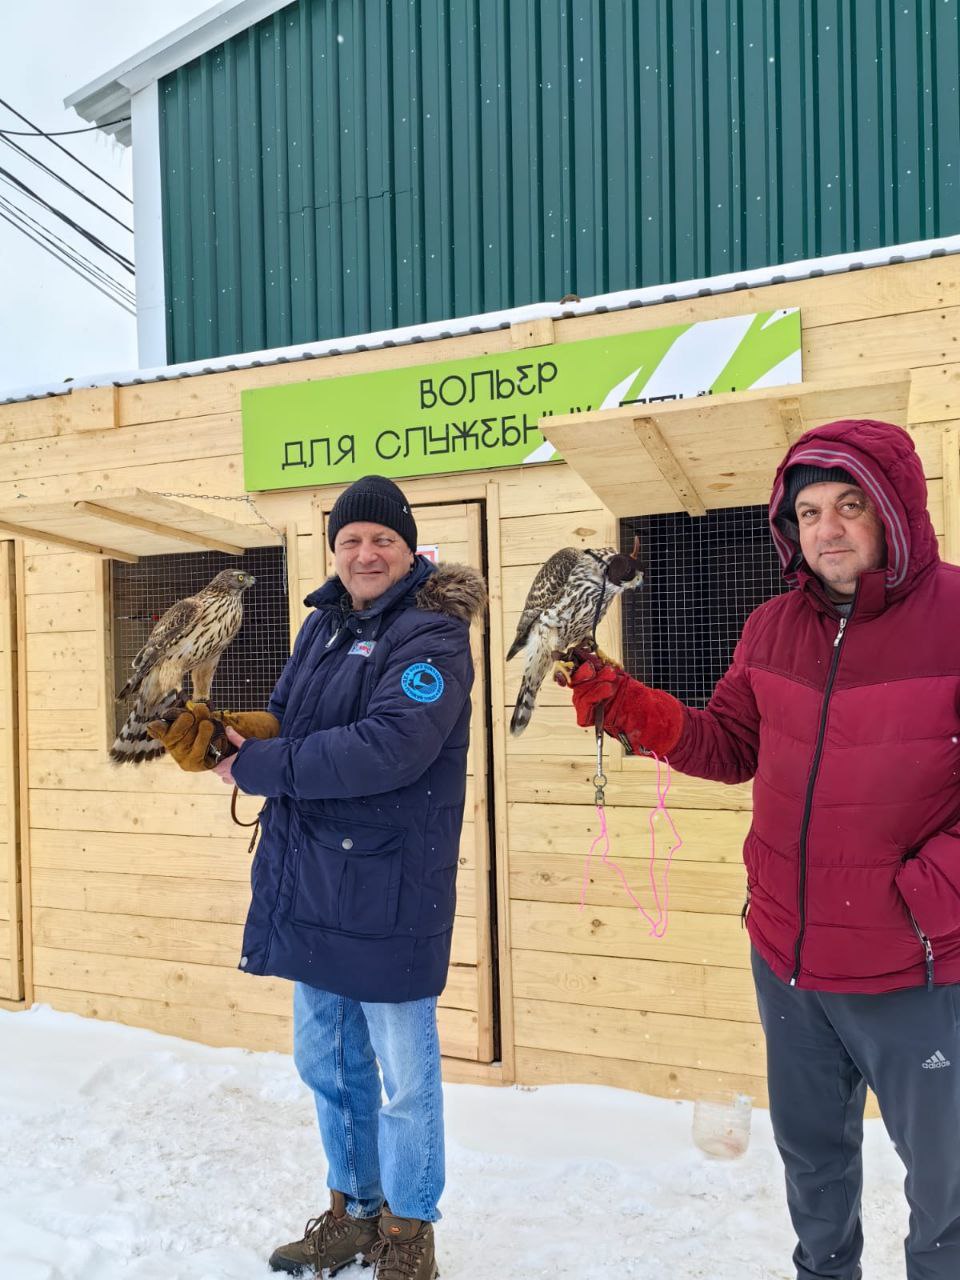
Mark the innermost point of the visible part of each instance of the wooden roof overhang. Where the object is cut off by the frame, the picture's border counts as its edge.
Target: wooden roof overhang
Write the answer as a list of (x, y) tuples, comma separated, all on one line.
[(131, 523), (700, 454)]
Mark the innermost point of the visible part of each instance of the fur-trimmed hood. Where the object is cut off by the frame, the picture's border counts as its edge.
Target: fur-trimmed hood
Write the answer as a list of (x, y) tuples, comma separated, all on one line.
[(455, 589)]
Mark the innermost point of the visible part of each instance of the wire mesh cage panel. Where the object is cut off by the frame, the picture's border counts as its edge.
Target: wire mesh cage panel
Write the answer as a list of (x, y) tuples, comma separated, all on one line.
[(702, 577), (252, 663)]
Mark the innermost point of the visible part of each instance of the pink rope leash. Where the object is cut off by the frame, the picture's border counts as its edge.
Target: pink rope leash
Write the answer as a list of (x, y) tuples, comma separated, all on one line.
[(661, 893)]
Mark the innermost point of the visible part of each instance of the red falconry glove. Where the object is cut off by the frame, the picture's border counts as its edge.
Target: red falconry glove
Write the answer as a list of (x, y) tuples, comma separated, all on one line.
[(642, 719)]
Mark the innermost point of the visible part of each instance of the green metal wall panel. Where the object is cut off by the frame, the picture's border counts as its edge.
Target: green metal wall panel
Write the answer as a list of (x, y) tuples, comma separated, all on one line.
[(352, 165)]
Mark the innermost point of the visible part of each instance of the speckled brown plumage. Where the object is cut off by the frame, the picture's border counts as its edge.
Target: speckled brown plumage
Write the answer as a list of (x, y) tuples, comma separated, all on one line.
[(560, 610), (189, 637)]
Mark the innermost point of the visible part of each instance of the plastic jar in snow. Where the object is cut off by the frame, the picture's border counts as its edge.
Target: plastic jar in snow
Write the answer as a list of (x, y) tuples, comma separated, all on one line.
[(721, 1124)]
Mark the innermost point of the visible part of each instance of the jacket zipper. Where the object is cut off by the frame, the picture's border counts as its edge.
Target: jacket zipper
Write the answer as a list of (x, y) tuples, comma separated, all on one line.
[(808, 801), (927, 949)]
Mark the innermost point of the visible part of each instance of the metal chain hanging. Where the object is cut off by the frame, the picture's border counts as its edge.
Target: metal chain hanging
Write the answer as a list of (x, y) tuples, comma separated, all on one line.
[(222, 497)]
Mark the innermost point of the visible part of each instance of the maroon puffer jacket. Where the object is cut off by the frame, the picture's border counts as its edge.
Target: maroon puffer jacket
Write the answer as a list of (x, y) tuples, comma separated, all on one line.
[(851, 734)]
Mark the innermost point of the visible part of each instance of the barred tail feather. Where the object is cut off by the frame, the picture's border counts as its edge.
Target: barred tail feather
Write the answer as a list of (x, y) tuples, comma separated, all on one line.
[(522, 712), (538, 663), (133, 744)]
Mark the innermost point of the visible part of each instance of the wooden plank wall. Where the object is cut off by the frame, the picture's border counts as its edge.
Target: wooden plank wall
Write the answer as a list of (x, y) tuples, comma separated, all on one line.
[(135, 886), (10, 890)]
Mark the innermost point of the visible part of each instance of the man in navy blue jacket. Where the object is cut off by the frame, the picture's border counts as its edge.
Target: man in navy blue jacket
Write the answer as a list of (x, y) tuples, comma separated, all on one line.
[(354, 880)]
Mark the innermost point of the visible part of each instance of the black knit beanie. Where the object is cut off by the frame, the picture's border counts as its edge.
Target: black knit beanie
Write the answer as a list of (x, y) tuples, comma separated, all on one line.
[(377, 500), (799, 477)]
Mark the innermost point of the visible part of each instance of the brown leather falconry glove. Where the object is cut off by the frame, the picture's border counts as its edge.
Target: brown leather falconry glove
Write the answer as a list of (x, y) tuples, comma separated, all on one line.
[(196, 739), (251, 724)]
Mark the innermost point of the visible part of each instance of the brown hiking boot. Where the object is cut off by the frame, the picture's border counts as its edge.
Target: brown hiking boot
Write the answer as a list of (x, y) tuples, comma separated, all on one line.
[(331, 1242), (405, 1249)]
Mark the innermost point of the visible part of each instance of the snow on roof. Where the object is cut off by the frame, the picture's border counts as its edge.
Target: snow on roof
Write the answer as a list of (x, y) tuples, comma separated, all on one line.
[(492, 320)]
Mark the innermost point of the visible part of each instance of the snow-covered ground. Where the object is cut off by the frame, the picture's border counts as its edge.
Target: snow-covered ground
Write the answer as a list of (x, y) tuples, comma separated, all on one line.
[(126, 1155)]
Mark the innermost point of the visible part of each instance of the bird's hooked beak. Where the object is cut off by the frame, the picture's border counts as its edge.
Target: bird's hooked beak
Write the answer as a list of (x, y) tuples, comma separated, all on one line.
[(623, 569)]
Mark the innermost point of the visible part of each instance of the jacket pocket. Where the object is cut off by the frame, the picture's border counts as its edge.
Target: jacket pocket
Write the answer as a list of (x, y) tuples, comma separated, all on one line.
[(348, 876)]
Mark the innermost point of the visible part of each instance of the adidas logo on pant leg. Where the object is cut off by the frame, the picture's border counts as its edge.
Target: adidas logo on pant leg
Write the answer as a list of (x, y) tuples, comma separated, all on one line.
[(936, 1060)]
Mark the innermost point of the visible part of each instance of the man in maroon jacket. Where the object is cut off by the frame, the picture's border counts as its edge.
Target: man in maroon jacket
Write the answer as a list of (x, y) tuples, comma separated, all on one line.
[(842, 702)]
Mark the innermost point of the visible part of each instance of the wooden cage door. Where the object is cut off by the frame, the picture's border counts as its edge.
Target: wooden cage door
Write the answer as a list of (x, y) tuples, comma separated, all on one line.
[(11, 967), (466, 1016), (454, 532)]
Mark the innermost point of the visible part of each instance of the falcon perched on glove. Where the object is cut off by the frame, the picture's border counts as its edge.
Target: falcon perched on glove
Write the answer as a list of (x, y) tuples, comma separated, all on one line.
[(190, 637), (643, 720), (568, 598)]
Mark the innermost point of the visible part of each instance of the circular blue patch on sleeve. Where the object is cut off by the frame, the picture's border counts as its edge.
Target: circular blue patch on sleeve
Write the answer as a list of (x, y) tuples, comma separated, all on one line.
[(422, 683)]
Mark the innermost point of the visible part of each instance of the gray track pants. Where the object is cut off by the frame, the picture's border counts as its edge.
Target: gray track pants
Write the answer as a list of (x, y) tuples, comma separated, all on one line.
[(823, 1049)]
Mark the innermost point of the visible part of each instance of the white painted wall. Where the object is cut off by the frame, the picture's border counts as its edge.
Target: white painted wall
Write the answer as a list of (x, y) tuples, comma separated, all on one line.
[(148, 228)]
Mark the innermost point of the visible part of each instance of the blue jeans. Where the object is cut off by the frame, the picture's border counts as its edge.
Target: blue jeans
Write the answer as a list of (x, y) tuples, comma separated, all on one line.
[(376, 1151)]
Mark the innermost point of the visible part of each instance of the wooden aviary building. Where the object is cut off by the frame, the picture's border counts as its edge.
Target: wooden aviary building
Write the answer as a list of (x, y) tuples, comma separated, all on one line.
[(122, 892)]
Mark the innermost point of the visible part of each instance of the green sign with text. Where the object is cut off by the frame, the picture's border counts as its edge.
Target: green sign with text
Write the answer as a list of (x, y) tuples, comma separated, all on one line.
[(481, 413)]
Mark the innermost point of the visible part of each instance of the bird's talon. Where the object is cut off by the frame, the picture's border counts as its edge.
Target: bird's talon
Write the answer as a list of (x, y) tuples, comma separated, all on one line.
[(606, 659), (563, 673)]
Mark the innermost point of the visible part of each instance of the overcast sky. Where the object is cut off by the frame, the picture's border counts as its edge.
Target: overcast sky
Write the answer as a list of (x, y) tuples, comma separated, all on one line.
[(54, 325)]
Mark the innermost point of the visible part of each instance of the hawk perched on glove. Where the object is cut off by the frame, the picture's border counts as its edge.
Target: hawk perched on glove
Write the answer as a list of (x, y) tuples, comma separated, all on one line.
[(566, 601), (189, 637)]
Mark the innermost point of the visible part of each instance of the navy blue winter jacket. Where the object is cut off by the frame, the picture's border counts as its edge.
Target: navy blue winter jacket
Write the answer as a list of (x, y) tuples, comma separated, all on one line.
[(354, 879)]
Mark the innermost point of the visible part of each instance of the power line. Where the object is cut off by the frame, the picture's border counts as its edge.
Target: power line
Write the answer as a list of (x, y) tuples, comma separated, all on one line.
[(119, 258), (61, 133), (60, 258), (62, 148), (95, 240), (85, 263), (53, 174), (64, 247)]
